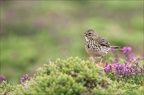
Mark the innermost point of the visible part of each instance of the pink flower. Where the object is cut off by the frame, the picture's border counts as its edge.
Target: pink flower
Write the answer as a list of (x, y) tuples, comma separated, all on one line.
[(2, 78), (108, 67), (24, 78), (131, 57), (126, 50), (112, 50)]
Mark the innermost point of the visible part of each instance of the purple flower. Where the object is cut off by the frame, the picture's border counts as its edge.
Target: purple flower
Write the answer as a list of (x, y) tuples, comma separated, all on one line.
[(108, 67), (126, 64), (139, 71), (118, 76), (133, 66), (126, 50), (132, 70), (116, 60), (24, 78), (118, 66), (112, 50), (125, 69), (2, 78), (113, 65), (131, 57)]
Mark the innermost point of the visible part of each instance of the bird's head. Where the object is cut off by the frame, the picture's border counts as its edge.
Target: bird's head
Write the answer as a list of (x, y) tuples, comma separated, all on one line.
[(90, 34)]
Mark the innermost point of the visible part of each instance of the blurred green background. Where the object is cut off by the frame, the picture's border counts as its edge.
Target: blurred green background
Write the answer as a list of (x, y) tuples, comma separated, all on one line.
[(33, 32)]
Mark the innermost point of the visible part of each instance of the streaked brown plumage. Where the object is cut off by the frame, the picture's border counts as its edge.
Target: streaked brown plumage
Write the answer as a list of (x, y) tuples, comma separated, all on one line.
[(95, 45)]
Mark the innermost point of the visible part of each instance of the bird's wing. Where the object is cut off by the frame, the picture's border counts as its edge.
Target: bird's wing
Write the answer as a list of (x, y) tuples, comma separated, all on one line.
[(103, 42)]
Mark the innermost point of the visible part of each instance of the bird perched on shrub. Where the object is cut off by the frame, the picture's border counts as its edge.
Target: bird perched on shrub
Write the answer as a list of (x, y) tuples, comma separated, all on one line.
[(96, 46)]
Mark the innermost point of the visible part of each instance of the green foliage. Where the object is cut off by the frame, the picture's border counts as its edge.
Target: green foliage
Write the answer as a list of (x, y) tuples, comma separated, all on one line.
[(73, 76), (5, 87)]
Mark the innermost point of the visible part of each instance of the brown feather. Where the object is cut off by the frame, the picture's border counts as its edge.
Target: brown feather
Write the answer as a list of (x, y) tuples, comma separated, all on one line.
[(103, 42)]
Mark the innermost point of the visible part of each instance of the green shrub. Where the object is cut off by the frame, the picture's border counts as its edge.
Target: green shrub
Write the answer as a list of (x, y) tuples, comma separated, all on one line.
[(73, 76)]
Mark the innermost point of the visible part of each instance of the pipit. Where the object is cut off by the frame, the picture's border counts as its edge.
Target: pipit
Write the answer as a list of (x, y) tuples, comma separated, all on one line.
[(96, 46)]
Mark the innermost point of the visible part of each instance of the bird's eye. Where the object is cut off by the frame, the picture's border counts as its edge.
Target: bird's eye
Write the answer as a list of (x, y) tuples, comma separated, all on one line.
[(89, 33)]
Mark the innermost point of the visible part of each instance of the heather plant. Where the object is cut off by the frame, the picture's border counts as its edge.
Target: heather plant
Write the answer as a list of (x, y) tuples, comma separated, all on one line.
[(130, 70), (73, 76), (24, 78)]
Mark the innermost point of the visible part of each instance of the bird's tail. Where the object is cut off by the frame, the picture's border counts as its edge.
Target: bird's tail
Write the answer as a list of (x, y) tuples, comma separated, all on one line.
[(116, 47)]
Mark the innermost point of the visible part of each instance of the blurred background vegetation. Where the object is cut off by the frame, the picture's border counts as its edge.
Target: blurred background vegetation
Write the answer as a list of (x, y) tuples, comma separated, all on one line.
[(33, 32)]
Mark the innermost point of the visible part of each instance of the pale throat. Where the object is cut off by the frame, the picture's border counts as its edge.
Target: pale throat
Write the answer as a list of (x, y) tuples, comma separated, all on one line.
[(86, 38)]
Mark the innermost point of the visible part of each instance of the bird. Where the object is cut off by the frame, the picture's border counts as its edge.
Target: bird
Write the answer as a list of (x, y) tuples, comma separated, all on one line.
[(96, 46)]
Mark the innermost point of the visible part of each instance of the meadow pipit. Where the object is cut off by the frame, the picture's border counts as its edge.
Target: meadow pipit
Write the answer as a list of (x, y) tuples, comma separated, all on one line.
[(96, 46)]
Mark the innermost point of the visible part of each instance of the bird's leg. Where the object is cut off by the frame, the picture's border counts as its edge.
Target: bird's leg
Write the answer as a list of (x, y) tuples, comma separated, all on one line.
[(100, 65), (101, 59), (93, 59)]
